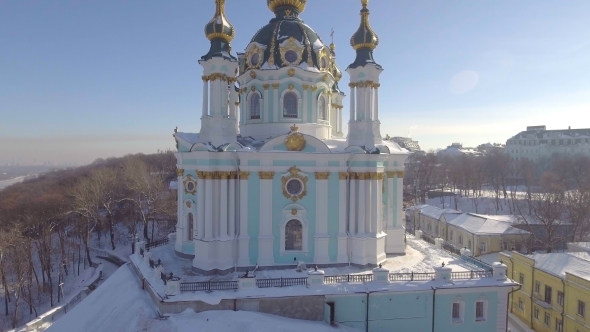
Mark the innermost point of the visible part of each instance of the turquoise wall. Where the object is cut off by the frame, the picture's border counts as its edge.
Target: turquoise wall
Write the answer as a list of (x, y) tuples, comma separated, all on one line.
[(400, 311), (281, 147), (210, 162), (350, 310), (443, 314), (253, 215), (289, 163)]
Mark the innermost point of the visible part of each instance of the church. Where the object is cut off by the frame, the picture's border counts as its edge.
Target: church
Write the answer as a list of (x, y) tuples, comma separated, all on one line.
[(271, 180)]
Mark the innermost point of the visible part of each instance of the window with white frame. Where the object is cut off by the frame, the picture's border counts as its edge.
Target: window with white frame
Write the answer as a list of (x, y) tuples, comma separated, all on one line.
[(255, 106), (290, 105), (481, 308), (483, 247), (189, 232), (322, 108), (547, 320), (537, 287), (581, 308), (520, 303), (536, 313), (458, 310), (293, 235), (521, 279), (558, 325), (560, 298)]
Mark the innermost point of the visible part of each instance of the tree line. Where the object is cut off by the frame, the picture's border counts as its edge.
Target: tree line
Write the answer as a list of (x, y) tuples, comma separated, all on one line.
[(47, 223), (546, 192)]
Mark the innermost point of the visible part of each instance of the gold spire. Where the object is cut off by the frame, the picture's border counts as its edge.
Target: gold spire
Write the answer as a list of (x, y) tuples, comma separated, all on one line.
[(219, 26), (298, 4), (364, 37)]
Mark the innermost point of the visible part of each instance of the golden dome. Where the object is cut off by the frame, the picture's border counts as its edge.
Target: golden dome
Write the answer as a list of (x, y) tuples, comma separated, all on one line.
[(364, 37), (219, 26), (275, 4)]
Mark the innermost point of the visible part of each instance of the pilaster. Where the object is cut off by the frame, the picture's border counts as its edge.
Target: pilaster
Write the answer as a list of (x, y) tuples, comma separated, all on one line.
[(342, 256), (244, 238), (266, 107), (265, 238), (321, 236), (275, 101)]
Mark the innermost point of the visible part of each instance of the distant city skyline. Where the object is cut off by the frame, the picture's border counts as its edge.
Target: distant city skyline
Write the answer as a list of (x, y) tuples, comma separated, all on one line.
[(85, 80)]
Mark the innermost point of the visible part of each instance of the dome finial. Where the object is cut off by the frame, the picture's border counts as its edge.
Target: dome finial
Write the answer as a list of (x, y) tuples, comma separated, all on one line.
[(276, 5), (364, 37), (219, 27)]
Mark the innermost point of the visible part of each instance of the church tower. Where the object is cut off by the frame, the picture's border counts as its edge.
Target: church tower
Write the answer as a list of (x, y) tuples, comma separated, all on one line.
[(364, 125), (220, 98)]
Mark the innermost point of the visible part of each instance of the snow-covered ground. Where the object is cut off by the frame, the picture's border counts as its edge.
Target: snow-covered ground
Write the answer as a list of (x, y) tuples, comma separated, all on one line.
[(120, 305)]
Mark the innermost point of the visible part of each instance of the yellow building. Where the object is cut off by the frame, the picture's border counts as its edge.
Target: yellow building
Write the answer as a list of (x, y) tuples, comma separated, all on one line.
[(482, 234), (555, 290)]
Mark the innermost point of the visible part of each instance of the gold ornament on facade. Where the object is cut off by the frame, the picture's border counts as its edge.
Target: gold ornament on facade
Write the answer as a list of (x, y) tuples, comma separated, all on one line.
[(254, 49), (179, 172), (323, 56), (244, 175), (291, 87), (291, 72), (322, 175), (266, 175), (190, 185), (252, 74), (390, 174), (291, 45), (275, 85), (342, 175), (294, 211), (400, 174), (265, 86), (271, 58), (314, 88), (188, 204), (295, 141), (294, 173), (305, 87)]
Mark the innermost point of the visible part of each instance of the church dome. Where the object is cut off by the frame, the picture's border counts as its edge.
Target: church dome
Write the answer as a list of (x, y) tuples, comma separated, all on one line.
[(287, 41), (364, 37), (219, 27)]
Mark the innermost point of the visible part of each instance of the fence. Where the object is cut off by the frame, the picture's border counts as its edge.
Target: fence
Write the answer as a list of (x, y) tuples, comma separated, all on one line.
[(208, 286), (281, 282), (471, 274), (448, 247), (157, 243), (427, 238), (477, 262)]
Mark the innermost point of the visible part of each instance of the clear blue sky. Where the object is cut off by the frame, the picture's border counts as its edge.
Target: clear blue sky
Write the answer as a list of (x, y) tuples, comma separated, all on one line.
[(86, 79)]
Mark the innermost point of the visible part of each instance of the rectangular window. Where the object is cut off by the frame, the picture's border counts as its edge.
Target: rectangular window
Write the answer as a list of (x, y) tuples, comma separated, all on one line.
[(451, 235), (479, 311), (520, 303), (484, 247), (537, 287), (558, 325), (457, 312), (521, 279), (548, 293), (581, 308), (547, 319), (560, 298), (536, 313)]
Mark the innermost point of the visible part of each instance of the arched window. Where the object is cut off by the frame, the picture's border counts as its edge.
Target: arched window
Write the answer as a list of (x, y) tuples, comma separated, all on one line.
[(290, 105), (255, 106), (293, 235), (322, 109), (189, 221)]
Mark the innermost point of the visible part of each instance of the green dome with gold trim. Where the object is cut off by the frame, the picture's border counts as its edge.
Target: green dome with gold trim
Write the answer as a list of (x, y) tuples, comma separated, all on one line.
[(219, 27)]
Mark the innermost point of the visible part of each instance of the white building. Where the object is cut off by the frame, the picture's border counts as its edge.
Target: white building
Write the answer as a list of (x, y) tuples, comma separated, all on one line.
[(537, 143)]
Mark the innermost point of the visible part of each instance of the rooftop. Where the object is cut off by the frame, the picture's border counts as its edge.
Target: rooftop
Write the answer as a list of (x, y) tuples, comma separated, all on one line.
[(560, 263), (482, 225)]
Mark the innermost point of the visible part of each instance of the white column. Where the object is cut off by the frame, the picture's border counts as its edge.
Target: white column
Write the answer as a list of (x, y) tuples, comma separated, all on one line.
[(379, 202), (233, 98), (205, 96), (201, 208), (376, 102), (361, 205), (265, 237), (321, 234), (369, 198), (342, 236), (399, 203), (275, 102), (352, 205), (265, 103), (224, 98), (359, 104), (232, 207), (244, 238), (223, 199), (352, 104), (212, 100), (390, 202), (306, 89), (375, 203), (340, 120), (368, 108), (208, 208)]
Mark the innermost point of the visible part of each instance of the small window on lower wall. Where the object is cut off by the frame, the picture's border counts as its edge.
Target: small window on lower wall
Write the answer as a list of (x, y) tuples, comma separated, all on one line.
[(480, 311), (458, 310)]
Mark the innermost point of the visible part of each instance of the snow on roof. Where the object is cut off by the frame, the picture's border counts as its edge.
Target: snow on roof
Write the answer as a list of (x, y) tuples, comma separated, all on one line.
[(450, 216), (584, 246), (119, 304), (434, 212), (481, 225), (173, 185), (560, 263), (504, 218), (583, 255)]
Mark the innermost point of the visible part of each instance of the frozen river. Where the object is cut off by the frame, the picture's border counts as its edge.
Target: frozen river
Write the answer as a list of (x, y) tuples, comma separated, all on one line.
[(9, 182)]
